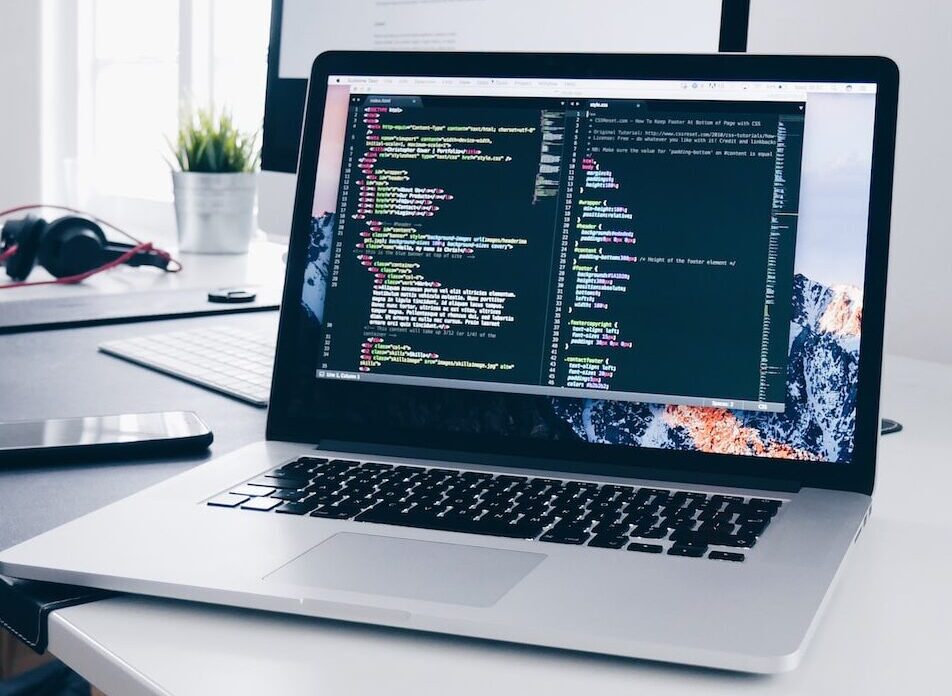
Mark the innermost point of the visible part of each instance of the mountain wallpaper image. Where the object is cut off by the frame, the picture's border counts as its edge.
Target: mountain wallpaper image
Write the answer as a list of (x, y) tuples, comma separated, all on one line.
[(821, 395), (318, 263)]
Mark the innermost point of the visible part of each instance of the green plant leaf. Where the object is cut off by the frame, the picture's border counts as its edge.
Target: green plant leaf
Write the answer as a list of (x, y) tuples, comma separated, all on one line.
[(211, 143)]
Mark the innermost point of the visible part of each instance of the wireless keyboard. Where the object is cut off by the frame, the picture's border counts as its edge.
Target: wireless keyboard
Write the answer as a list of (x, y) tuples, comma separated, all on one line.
[(231, 361)]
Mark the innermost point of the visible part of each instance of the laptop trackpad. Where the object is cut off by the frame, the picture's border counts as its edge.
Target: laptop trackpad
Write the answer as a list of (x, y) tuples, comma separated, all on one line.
[(428, 570)]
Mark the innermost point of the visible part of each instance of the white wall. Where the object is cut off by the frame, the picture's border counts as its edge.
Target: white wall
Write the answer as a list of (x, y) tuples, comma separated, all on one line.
[(275, 203), (917, 34), (20, 150)]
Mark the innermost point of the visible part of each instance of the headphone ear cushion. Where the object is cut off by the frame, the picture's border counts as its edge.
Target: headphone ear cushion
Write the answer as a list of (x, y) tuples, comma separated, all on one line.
[(71, 245), (26, 234)]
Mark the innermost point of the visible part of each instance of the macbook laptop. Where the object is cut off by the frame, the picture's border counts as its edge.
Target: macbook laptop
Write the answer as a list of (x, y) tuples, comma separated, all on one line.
[(575, 351)]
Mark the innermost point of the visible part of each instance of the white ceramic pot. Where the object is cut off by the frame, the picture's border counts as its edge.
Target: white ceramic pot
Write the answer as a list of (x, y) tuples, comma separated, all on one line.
[(215, 213)]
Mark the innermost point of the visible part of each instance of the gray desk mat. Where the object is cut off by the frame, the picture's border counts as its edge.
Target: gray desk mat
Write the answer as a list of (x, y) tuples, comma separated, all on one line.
[(51, 313), (60, 373)]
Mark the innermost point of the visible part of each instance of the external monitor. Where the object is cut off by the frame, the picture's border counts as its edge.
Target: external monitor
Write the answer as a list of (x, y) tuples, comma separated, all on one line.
[(301, 29)]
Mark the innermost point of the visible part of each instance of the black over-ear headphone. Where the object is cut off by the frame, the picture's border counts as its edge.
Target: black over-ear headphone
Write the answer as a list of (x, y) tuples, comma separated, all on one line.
[(67, 247)]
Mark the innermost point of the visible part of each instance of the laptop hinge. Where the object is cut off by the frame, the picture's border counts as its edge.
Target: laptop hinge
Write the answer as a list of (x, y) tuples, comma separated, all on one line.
[(568, 466)]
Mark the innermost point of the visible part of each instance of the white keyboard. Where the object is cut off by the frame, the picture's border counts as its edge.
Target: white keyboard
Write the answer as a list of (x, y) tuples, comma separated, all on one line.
[(231, 361)]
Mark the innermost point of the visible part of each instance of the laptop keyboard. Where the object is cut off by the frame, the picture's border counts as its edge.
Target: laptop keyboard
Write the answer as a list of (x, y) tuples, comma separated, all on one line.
[(607, 516)]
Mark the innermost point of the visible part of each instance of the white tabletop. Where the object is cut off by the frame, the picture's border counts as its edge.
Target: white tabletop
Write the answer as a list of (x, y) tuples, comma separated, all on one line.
[(886, 629), (262, 266)]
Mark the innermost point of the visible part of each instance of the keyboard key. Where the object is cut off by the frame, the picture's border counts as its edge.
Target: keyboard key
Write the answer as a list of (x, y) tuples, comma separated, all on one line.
[(740, 541), (566, 534), (645, 548), (726, 556), (718, 500), (273, 482), (715, 514), (253, 491), (689, 551), (300, 478), (611, 528), (748, 528), (612, 491), (289, 494), (650, 532), (506, 478), (310, 462), (302, 508), (343, 462), (569, 510), (606, 541), (228, 500), (533, 525), (333, 512), (406, 469), (547, 482), (292, 468), (262, 504), (689, 537), (764, 504)]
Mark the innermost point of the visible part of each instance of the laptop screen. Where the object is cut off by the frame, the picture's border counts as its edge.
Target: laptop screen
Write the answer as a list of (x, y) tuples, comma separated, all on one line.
[(670, 264)]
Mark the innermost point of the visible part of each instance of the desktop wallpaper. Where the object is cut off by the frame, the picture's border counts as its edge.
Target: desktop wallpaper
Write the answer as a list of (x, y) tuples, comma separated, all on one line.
[(821, 388)]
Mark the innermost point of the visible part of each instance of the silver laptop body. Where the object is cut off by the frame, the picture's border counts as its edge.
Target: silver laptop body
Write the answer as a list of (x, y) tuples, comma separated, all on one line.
[(760, 497)]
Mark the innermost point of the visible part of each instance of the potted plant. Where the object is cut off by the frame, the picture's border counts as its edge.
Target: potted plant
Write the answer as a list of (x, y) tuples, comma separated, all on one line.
[(215, 184)]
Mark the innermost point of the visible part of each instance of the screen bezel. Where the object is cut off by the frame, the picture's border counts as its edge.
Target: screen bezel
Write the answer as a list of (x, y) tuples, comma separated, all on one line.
[(284, 96), (597, 458)]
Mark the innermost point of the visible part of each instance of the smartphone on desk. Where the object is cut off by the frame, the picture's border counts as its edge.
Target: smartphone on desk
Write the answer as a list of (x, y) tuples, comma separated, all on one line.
[(87, 438)]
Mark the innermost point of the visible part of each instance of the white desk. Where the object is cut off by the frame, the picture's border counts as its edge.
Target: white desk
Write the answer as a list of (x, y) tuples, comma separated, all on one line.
[(262, 265), (886, 631)]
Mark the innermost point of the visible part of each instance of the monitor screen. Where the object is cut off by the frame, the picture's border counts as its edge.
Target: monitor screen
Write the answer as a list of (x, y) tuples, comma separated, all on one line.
[(669, 264), (647, 26), (302, 29)]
